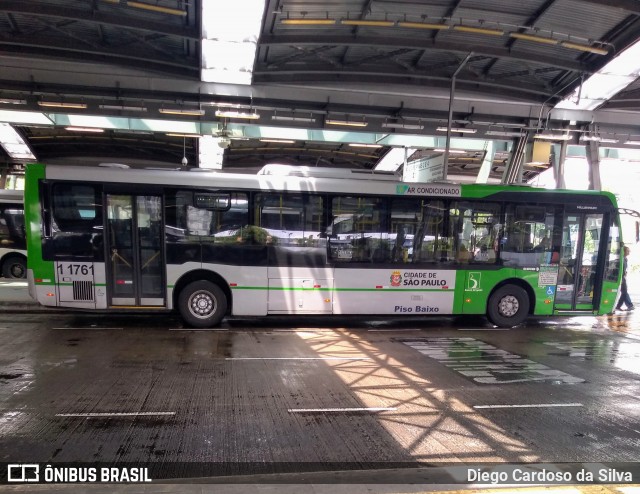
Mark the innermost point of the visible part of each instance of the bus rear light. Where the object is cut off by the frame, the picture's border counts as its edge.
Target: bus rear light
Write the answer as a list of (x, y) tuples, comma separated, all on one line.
[(233, 284), (38, 280), (378, 286)]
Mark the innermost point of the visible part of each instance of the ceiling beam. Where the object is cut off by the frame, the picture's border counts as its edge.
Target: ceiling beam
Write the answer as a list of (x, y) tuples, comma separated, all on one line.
[(29, 47), (421, 44), (34, 8), (631, 6)]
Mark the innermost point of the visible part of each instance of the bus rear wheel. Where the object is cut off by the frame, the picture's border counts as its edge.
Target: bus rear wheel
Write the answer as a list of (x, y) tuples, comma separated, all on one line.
[(14, 267), (508, 306), (202, 304)]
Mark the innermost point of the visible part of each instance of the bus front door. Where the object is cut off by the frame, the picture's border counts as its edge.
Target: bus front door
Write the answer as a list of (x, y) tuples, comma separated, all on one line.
[(134, 251), (578, 286)]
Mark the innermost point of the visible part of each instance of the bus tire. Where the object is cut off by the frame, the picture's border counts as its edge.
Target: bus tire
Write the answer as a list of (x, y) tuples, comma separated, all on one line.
[(14, 267), (202, 304), (508, 306)]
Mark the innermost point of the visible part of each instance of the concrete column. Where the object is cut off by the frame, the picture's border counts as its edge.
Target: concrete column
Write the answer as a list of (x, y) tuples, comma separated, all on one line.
[(558, 166), (485, 168), (593, 158)]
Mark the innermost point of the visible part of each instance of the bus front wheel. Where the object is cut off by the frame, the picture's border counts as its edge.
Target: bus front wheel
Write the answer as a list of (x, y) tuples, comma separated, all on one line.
[(508, 306), (202, 304), (14, 267)]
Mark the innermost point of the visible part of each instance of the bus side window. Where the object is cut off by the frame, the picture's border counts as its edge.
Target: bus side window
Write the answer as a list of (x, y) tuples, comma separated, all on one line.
[(358, 225)]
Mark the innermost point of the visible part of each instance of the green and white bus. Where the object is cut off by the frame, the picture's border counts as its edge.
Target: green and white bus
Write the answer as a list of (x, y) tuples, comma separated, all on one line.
[(211, 244), (13, 243)]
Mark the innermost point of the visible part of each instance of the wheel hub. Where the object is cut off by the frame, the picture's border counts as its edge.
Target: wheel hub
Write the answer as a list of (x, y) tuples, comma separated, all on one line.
[(202, 304), (509, 306)]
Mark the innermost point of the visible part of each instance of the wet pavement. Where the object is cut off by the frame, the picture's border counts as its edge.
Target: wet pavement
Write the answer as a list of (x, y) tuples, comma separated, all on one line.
[(310, 396)]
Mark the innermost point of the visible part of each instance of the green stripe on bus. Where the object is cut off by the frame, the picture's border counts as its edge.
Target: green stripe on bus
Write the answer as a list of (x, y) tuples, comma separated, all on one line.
[(342, 289)]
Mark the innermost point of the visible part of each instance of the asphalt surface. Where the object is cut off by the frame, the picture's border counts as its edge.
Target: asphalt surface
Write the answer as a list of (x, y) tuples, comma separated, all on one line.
[(310, 400)]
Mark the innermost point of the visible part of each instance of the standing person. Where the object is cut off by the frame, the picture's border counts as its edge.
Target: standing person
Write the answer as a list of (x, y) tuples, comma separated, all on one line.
[(624, 293)]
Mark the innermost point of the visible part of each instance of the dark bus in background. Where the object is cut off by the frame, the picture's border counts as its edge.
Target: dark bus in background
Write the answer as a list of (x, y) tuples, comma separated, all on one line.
[(13, 245)]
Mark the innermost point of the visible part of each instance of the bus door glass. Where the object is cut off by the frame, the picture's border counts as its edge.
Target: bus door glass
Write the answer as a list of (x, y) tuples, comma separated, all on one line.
[(134, 250), (577, 281)]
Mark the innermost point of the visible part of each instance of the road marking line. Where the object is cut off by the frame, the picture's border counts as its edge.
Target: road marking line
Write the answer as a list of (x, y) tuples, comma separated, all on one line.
[(198, 329), (484, 329), (539, 405), (301, 330), (309, 410), (113, 414), (298, 358), (393, 330), (88, 327)]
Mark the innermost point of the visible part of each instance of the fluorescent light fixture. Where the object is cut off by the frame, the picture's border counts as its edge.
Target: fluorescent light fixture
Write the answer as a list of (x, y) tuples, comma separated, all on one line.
[(182, 111), (615, 76), (632, 143), (177, 134), (308, 22), (460, 130), (533, 37), (479, 30), (135, 132), (358, 145), (229, 40), (509, 124), (12, 101), (400, 125), (278, 141), (503, 133), (122, 108), (237, 114), (84, 129), (358, 22), (587, 48), (423, 25), (549, 136), (286, 118), (13, 143), (596, 138), (61, 104), (347, 123), (157, 8), (451, 151)]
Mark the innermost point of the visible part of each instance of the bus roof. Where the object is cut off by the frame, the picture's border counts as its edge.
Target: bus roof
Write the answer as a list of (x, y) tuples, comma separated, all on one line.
[(214, 179)]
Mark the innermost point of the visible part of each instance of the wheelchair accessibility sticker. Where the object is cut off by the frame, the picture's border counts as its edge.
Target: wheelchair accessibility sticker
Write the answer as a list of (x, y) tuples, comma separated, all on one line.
[(550, 291)]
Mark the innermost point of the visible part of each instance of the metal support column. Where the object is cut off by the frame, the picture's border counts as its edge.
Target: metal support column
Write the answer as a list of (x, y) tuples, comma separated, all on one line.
[(485, 168), (451, 97), (513, 169), (593, 159)]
